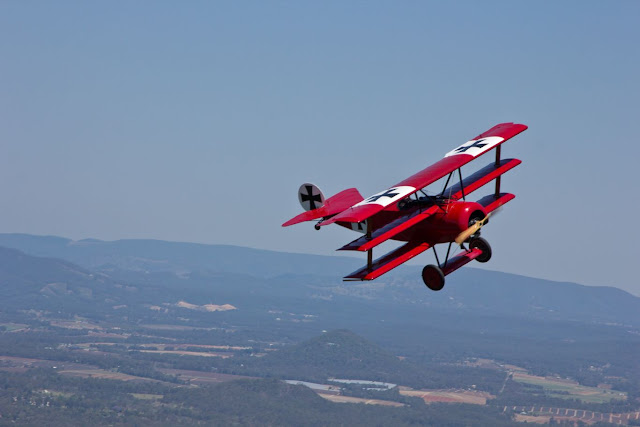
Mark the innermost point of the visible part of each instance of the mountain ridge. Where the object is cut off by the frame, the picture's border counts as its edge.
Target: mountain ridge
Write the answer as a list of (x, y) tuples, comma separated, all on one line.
[(160, 255), (235, 274)]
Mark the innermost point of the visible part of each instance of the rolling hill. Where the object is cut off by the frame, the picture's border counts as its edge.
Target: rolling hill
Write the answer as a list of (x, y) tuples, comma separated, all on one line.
[(258, 277), (548, 327)]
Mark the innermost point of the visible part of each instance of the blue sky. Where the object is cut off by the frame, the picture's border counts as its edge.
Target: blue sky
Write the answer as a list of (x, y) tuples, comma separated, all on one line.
[(197, 121)]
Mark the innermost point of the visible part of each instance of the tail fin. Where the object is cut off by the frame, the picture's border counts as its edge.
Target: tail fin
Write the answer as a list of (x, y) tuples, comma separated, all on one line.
[(310, 197)]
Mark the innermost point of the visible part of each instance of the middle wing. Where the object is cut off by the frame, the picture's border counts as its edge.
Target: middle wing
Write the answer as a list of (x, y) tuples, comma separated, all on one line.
[(453, 160)]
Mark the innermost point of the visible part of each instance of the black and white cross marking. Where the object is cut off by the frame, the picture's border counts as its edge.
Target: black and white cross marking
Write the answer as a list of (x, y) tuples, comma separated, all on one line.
[(310, 197), (359, 226), (389, 193), (479, 144)]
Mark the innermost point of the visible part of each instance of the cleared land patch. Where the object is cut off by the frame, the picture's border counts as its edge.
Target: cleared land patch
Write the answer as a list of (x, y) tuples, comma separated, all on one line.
[(349, 399), (198, 377), (535, 419), (75, 324), (104, 375), (162, 327), (189, 353), (14, 327), (566, 389), (448, 396), (167, 347), (146, 396), (186, 349)]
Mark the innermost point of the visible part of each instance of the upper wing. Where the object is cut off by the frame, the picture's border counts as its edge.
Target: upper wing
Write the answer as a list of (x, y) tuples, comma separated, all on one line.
[(453, 160)]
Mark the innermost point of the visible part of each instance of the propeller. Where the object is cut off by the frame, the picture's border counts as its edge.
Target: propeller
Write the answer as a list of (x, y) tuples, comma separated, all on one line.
[(462, 237)]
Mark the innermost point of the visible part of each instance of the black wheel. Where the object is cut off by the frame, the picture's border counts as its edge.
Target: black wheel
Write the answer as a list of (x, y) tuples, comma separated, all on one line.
[(433, 277), (483, 245)]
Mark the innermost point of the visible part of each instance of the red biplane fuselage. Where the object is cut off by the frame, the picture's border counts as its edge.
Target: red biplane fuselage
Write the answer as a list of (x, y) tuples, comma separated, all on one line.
[(452, 218), (400, 213)]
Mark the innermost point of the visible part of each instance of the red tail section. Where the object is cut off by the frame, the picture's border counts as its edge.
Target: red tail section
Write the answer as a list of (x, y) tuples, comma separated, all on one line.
[(332, 206)]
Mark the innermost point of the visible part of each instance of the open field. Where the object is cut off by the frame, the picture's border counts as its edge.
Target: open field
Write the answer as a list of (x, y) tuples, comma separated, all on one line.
[(166, 347), (349, 399), (93, 333), (164, 327), (75, 324), (146, 396), (449, 396), (185, 349), (21, 364), (163, 346), (198, 377), (535, 419), (103, 375), (26, 363), (56, 393), (570, 390), (189, 353), (13, 327)]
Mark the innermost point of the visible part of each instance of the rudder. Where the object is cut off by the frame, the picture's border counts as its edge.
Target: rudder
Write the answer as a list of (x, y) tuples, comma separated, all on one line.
[(310, 197)]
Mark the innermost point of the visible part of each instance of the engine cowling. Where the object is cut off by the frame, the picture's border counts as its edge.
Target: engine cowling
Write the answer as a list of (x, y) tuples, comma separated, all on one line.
[(455, 217)]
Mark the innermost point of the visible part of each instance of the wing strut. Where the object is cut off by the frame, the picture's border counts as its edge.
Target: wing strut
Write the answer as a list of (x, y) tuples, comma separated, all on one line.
[(436, 254), (446, 259), (445, 184), (370, 251), (497, 193)]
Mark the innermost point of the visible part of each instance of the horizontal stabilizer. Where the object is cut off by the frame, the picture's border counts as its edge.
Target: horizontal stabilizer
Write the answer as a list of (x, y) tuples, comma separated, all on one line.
[(480, 178), (491, 202), (388, 231), (389, 261), (333, 205)]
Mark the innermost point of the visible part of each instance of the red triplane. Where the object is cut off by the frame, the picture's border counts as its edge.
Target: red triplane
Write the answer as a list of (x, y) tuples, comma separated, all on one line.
[(420, 220)]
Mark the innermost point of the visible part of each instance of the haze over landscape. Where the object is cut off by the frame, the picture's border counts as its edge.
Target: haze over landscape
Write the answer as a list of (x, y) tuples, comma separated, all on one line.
[(162, 333), (149, 153)]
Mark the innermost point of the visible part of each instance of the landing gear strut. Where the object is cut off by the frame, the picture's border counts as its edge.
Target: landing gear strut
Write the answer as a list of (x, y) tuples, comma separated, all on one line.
[(433, 276)]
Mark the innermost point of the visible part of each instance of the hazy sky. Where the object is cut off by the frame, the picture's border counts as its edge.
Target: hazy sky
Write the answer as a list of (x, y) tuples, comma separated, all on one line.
[(197, 121)]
